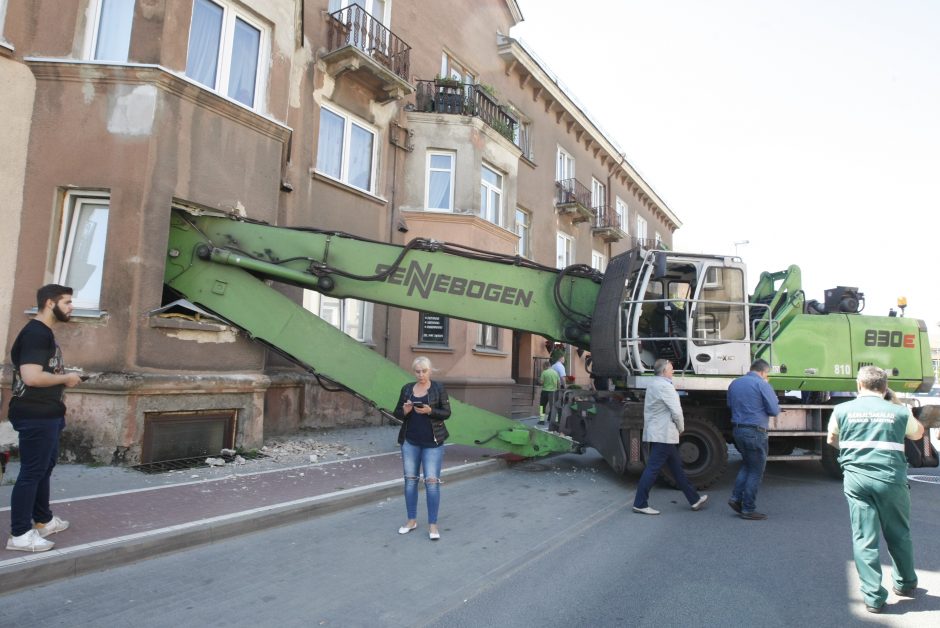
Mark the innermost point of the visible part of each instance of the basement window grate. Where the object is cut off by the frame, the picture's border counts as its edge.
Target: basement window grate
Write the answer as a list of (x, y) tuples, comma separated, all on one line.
[(199, 462)]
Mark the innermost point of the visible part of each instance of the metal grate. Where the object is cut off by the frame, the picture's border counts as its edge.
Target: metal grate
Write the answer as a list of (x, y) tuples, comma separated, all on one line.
[(196, 462), (929, 479)]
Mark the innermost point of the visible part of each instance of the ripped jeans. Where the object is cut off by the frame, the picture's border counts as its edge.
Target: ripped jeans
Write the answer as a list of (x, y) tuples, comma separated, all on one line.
[(429, 459)]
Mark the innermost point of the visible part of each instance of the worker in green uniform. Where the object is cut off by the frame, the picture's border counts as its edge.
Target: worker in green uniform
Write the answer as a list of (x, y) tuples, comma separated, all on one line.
[(869, 432)]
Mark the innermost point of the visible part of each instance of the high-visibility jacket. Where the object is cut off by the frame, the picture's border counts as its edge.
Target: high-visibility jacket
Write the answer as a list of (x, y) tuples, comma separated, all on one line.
[(871, 437)]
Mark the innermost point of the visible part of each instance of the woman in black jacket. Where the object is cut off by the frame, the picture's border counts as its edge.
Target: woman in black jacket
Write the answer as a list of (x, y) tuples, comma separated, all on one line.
[(423, 406)]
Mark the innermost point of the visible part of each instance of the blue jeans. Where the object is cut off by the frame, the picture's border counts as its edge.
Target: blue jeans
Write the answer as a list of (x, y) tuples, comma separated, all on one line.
[(660, 454), (752, 444), (429, 459), (39, 449)]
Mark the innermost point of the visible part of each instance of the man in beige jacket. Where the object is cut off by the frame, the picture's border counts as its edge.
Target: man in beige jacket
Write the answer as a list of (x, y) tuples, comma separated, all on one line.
[(662, 425)]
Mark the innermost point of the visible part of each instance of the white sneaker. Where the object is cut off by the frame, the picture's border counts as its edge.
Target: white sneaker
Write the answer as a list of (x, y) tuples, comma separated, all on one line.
[(29, 542), (701, 502), (646, 511), (52, 526)]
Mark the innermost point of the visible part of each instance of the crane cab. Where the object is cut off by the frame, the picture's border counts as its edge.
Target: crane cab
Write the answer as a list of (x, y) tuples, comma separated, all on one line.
[(690, 309)]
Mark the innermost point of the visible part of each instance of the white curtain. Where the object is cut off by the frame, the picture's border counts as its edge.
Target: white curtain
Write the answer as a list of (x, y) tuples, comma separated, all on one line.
[(360, 158), (441, 167), (114, 30), (85, 253), (204, 37), (330, 144), (245, 47)]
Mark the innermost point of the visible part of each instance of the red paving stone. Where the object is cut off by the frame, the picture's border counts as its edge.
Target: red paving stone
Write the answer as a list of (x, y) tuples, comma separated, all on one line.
[(100, 518)]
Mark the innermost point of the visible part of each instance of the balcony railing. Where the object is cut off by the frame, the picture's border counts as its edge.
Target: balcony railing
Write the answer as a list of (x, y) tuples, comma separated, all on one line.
[(649, 243), (465, 99), (574, 198), (608, 224), (354, 26)]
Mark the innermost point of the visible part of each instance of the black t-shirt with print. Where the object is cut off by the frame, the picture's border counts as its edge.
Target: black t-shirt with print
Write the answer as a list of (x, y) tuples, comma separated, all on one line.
[(36, 345)]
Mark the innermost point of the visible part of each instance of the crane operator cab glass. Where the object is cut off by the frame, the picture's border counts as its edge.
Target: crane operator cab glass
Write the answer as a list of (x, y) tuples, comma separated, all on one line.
[(689, 309)]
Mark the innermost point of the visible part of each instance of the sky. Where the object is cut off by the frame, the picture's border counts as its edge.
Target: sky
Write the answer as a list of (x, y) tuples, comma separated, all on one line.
[(808, 128)]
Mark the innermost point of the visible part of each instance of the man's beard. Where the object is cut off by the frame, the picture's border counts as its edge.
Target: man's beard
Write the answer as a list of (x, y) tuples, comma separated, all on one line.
[(60, 316)]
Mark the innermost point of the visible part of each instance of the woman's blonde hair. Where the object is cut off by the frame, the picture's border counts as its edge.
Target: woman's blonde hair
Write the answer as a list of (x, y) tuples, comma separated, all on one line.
[(426, 362)]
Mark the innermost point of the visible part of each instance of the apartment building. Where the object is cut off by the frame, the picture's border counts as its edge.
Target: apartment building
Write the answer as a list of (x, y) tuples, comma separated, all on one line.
[(388, 119)]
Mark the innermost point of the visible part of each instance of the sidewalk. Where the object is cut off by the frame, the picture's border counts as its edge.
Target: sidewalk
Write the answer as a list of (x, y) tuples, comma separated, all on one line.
[(119, 516)]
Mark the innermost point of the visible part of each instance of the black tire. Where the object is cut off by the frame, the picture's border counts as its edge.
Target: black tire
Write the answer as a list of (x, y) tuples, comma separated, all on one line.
[(704, 454), (830, 461)]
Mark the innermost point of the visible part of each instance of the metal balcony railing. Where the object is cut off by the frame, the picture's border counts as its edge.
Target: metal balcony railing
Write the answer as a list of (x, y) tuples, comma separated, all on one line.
[(354, 26), (606, 217), (465, 99), (649, 243), (572, 192)]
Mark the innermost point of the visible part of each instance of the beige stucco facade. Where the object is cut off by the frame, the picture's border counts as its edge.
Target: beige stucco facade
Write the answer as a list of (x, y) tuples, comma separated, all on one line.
[(145, 136)]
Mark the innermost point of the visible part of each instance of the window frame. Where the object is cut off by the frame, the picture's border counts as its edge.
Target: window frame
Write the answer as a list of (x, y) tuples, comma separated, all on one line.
[(348, 120), (524, 231), (488, 337), (427, 179), (486, 189), (598, 260), (642, 228), (385, 18), (623, 212), (598, 193), (468, 75), (71, 211), (231, 13), (93, 34), (313, 303), (569, 161), (569, 255)]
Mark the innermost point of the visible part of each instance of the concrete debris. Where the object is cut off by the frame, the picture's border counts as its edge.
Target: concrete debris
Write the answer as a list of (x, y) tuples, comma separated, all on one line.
[(305, 450), (215, 462), (228, 452), (239, 460)]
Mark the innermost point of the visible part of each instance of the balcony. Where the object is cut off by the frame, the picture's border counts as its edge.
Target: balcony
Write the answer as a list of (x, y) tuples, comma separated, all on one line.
[(608, 224), (649, 243), (573, 199), (464, 99), (360, 44)]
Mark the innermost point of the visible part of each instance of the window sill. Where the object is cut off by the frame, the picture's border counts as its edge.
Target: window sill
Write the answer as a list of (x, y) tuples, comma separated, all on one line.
[(319, 176), (184, 323), (529, 162), (492, 353), (431, 349), (6, 49)]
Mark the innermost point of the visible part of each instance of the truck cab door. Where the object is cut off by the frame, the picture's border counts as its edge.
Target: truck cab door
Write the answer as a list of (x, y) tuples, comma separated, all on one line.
[(718, 342)]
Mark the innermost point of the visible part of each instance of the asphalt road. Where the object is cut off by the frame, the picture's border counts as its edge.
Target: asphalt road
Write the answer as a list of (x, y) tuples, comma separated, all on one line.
[(545, 543)]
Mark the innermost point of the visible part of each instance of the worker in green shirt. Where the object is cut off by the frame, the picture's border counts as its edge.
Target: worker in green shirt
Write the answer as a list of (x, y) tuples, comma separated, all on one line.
[(548, 400), (869, 432)]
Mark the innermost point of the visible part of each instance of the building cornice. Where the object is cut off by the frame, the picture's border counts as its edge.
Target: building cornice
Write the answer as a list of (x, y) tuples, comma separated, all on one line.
[(515, 10), (163, 79), (545, 88)]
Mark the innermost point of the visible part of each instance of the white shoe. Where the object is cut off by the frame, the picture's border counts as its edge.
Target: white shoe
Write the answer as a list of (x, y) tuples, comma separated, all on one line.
[(701, 502), (646, 511), (52, 526), (434, 536), (29, 542), (406, 529)]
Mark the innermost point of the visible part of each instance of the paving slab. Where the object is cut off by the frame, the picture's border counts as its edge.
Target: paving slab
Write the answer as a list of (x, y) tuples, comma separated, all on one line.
[(128, 525)]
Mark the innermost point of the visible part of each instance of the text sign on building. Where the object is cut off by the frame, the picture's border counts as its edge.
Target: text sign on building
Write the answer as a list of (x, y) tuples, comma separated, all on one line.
[(432, 329)]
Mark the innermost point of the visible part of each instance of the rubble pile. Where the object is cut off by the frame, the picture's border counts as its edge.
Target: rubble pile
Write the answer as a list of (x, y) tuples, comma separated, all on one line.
[(305, 450)]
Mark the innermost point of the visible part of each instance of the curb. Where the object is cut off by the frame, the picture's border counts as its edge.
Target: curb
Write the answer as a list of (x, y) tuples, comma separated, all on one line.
[(43, 568)]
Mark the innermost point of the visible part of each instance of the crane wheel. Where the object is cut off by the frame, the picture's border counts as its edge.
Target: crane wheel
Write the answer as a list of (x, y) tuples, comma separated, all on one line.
[(703, 451)]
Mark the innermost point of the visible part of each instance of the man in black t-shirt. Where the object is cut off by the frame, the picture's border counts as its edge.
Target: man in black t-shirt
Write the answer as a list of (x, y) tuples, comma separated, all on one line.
[(37, 413)]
